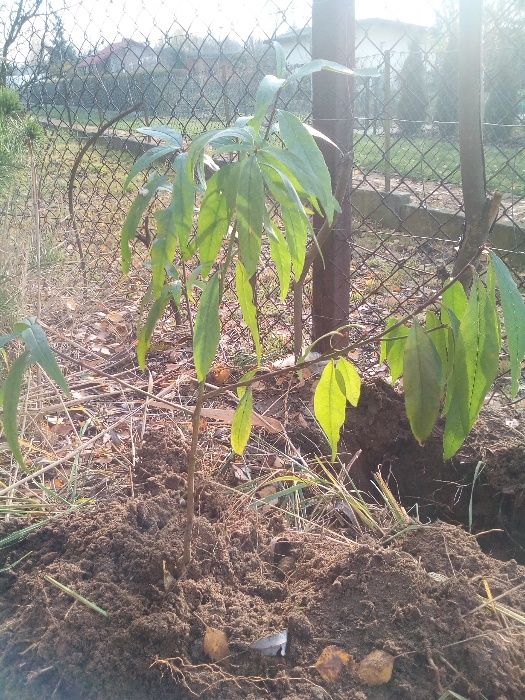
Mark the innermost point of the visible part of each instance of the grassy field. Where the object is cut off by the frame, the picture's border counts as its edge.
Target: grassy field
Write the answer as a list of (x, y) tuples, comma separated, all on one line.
[(422, 159), (433, 159)]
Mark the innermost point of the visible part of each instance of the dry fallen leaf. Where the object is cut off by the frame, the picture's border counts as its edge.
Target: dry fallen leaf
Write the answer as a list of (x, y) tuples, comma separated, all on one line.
[(331, 662), (376, 668), (219, 375), (216, 644), (115, 316)]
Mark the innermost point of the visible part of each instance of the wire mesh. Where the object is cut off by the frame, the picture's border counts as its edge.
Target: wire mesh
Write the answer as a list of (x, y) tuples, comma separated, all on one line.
[(79, 66)]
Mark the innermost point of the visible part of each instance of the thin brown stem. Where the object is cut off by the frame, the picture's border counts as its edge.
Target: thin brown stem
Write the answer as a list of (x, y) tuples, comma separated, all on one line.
[(190, 489), (187, 298)]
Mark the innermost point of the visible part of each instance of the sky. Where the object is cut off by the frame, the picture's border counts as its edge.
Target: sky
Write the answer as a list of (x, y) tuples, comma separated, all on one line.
[(140, 19), (96, 23)]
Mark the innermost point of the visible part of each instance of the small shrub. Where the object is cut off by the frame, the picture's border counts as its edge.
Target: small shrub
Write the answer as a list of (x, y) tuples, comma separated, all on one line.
[(10, 103)]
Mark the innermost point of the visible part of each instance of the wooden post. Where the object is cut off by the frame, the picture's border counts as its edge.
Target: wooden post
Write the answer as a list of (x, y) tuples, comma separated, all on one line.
[(333, 25), (387, 119)]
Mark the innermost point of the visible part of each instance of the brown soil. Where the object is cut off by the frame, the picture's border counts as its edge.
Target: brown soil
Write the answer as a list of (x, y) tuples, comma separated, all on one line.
[(418, 475), (359, 596)]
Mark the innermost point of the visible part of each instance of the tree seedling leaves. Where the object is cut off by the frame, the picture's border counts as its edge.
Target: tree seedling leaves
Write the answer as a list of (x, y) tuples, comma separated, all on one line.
[(281, 257), (331, 662), (214, 222), (393, 348), (280, 59), (11, 394), (164, 133), (36, 342), (317, 65), (438, 335), (146, 159), (330, 405), (513, 316), (215, 644), (251, 211), (350, 380), (422, 382), (146, 331), (134, 216), (376, 668), (265, 95), (244, 291), (272, 645), (242, 422), (307, 161), (207, 328), (476, 359)]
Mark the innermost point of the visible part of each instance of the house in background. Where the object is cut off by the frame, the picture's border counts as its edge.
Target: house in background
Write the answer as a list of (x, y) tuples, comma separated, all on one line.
[(127, 55), (373, 37)]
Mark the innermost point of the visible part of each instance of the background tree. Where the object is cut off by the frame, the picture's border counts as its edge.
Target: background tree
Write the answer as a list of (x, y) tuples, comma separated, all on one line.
[(413, 98), (14, 18), (447, 86), (61, 51), (504, 52)]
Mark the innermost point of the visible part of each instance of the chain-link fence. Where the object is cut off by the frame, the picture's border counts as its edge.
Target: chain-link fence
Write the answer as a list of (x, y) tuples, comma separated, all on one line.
[(96, 71)]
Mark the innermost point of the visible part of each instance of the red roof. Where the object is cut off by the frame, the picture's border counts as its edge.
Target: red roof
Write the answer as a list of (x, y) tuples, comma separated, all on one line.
[(111, 49)]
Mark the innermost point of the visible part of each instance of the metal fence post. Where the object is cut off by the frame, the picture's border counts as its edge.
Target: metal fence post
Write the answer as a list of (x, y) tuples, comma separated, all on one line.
[(333, 38), (387, 119)]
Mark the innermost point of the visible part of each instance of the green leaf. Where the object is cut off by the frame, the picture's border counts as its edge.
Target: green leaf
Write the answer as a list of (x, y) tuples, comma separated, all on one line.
[(40, 352), (166, 133), (278, 159), (174, 225), (216, 212), (244, 292), (5, 339), (455, 300), (351, 381), (295, 220), (147, 159), (330, 406), (251, 209), (476, 359), (207, 328), (317, 65), (12, 387), (422, 382), (146, 331), (280, 59), (266, 93), (296, 226), (306, 161), (134, 216), (393, 348), (182, 203), (242, 422), (513, 316), (280, 255), (214, 221), (438, 335), (221, 137)]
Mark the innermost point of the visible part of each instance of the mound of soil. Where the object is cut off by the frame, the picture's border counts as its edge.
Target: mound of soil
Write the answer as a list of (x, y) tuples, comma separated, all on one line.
[(359, 596), (418, 475)]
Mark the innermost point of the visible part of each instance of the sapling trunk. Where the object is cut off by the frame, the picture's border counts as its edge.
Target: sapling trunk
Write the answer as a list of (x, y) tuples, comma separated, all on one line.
[(190, 489)]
